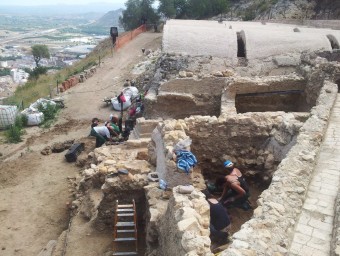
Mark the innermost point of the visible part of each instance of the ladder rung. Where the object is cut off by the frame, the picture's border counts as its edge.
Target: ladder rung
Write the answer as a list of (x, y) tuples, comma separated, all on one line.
[(125, 224), (125, 214), (125, 230), (124, 205), (122, 239), (125, 210), (125, 253)]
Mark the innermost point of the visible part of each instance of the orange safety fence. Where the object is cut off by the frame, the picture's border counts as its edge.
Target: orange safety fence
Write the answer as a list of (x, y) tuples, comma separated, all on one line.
[(122, 40)]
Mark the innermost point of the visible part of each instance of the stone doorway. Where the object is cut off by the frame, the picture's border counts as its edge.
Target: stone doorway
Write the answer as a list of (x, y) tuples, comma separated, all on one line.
[(334, 42), (241, 45)]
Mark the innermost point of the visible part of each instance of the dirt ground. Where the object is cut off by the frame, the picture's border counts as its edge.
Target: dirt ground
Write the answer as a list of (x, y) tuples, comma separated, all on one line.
[(34, 189)]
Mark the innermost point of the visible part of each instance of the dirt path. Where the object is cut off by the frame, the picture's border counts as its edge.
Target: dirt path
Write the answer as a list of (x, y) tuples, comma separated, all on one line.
[(34, 189)]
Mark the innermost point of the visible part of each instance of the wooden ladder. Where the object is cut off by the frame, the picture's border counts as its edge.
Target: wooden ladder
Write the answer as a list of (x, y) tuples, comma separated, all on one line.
[(125, 231)]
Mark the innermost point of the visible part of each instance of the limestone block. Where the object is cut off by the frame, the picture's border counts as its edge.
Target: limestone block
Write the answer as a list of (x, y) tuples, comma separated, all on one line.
[(89, 172), (102, 169), (280, 208), (191, 241), (218, 74), (186, 213), (189, 224), (286, 61), (238, 244), (109, 162), (182, 74), (189, 74), (228, 73)]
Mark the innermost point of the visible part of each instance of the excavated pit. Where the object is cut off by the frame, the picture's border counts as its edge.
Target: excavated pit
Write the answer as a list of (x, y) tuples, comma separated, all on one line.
[(287, 101), (106, 211)]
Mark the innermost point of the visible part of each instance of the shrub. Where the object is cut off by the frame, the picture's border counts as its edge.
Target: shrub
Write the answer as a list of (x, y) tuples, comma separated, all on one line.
[(49, 112), (13, 134), (21, 121), (36, 72)]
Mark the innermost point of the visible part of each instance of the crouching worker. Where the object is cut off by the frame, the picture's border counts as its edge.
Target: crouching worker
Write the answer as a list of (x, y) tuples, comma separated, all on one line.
[(219, 220), (113, 126), (236, 190), (101, 133)]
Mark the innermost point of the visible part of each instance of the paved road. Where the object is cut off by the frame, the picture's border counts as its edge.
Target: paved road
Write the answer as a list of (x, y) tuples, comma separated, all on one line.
[(314, 229)]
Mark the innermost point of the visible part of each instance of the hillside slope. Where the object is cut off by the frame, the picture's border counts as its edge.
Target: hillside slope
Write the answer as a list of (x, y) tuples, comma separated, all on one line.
[(284, 9)]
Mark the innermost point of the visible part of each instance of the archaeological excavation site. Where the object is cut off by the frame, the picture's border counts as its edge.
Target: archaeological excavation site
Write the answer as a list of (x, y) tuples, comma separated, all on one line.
[(263, 103)]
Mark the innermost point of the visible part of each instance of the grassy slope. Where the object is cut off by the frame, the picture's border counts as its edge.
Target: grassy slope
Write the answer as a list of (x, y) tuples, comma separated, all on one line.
[(40, 88)]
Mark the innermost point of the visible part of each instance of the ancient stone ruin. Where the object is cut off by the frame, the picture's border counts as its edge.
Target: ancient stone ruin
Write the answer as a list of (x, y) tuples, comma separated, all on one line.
[(270, 125)]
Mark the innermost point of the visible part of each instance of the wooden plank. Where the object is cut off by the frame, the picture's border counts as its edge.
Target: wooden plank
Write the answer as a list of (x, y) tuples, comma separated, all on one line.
[(125, 205), (125, 224), (125, 214), (125, 231), (125, 210), (124, 239), (125, 253)]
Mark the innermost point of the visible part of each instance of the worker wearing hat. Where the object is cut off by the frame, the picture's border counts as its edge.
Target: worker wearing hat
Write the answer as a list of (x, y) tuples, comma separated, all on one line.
[(236, 190)]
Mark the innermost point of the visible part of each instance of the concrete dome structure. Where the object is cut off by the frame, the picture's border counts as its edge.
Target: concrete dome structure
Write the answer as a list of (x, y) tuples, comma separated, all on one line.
[(252, 40)]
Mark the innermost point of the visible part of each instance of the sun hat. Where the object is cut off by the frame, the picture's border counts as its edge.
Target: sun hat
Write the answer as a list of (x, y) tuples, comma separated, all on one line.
[(228, 163)]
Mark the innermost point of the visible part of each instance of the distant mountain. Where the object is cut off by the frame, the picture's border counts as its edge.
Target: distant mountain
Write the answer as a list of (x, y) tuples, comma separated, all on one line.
[(109, 19), (102, 25), (59, 9)]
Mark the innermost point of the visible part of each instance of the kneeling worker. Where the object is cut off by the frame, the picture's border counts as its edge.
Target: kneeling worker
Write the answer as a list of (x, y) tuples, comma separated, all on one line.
[(236, 189), (101, 133)]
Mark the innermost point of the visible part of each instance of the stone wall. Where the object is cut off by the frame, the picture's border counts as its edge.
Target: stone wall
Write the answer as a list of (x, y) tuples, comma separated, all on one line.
[(335, 245), (180, 228), (333, 24), (271, 229), (256, 85), (164, 137), (256, 142), (182, 98), (104, 176)]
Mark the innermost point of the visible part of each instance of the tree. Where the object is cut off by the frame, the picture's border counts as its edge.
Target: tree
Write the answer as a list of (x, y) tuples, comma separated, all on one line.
[(40, 51), (138, 12), (167, 8), (220, 6)]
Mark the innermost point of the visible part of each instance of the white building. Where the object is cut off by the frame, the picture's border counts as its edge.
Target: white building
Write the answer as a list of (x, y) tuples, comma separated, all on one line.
[(3, 64), (19, 76)]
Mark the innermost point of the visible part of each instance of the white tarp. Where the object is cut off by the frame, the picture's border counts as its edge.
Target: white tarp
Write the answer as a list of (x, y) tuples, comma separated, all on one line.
[(131, 92), (34, 106), (7, 115), (33, 117), (116, 105)]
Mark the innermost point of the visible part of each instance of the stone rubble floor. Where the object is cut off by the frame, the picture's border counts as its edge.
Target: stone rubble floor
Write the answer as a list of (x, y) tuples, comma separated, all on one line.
[(313, 232)]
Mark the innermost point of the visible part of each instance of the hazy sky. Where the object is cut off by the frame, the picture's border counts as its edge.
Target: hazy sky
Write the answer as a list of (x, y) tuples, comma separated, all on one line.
[(54, 2)]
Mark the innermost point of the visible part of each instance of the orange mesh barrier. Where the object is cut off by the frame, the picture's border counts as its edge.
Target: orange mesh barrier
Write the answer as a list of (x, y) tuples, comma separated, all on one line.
[(122, 40)]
